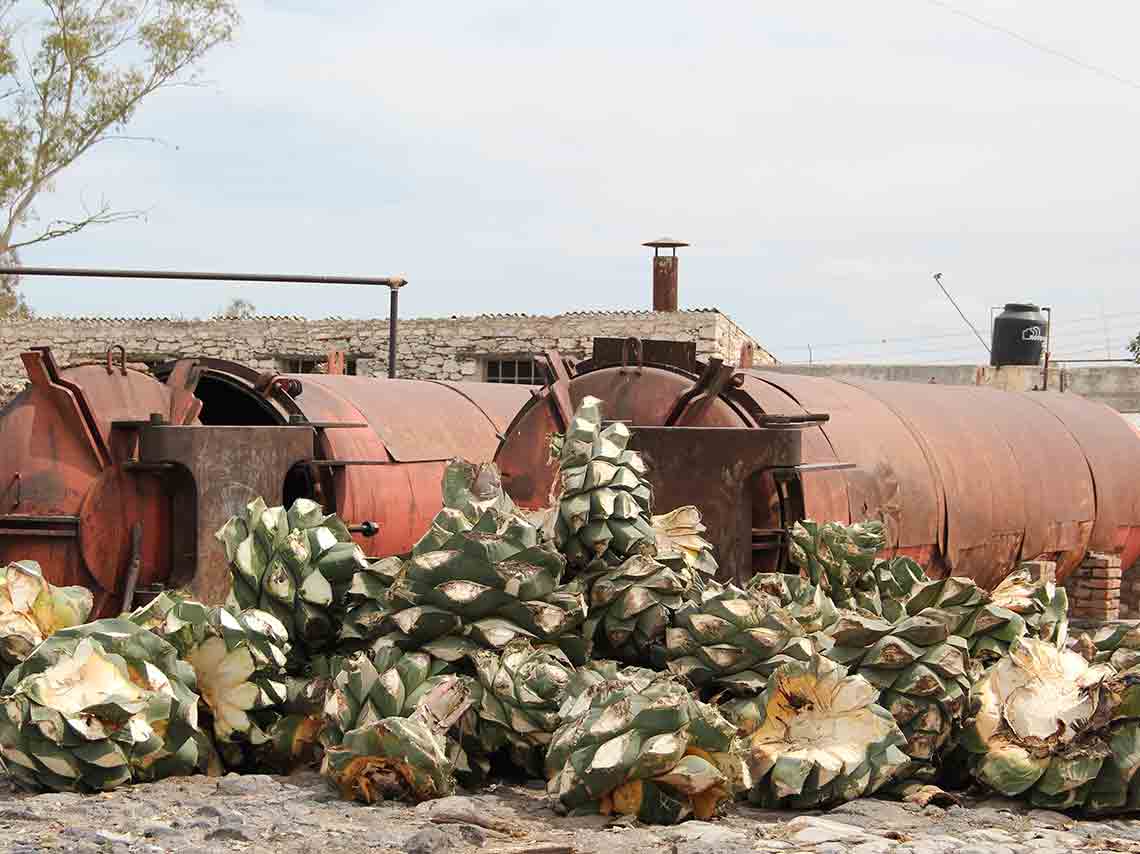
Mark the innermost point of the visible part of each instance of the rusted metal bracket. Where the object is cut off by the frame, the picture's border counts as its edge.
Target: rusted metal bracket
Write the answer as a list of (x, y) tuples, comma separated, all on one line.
[(713, 468), (558, 390), (299, 421), (808, 419), (677, 354), (340, 463), (632, 346), (269, 384), (365, 529), (135, 567), (183, 380), (792, 472), (23, 525), (227, 468), (714, 379), (122, 359), (68, 398)]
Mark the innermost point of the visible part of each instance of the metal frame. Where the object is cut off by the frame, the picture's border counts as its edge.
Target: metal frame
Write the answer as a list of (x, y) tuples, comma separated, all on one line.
[(394, 283), (522, 358)]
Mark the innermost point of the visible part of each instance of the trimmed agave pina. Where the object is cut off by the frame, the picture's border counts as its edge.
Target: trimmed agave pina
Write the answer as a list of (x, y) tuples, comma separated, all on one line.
[(31, 609), (88, 678), (822, 738), (101, 705), (636, 743), (223, 682), (239, 666), (1037, 721), (679, 531)]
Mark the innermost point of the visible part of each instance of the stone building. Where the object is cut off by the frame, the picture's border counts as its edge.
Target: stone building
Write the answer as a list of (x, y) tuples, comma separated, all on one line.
[(492, 348)]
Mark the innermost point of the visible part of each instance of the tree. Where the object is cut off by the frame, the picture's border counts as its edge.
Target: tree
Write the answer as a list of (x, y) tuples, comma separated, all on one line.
[(1134, 348), (12, 303), (13, 306), (240, 309), (73, 80)]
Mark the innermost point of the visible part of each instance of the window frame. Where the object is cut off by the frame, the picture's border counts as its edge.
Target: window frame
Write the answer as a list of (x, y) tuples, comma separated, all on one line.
[(297, 364), (523, 369)]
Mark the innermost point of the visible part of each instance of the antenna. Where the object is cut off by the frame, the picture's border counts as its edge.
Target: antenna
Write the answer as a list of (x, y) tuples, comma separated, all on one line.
[(938, 281)]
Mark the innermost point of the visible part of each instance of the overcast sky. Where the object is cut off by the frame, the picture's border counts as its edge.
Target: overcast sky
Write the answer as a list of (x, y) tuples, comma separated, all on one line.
[(823, 157)]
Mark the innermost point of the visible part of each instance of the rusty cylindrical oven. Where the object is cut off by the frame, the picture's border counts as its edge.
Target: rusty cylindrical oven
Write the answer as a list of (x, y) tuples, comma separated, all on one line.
[(968, 480), (96, 453), (69, 495), (375, 449)]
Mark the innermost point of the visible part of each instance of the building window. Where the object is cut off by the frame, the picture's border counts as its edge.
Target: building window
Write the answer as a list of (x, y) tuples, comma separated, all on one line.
[(520, 370), (311, 365)]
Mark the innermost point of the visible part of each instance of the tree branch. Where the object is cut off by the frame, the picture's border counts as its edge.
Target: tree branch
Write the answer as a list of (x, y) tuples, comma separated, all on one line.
[(64, 228), (98, 60)]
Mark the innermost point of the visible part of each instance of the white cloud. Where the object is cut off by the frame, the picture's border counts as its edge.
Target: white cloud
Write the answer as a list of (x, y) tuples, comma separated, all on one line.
[(824, 159)]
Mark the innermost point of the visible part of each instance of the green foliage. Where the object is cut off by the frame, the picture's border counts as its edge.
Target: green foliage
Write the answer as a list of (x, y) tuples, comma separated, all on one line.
[(12, 303), (239, 309), (1134, 348), (72, 78)]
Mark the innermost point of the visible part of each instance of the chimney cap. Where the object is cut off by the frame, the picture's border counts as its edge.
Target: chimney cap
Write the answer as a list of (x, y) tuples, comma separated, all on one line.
[(665, 243)]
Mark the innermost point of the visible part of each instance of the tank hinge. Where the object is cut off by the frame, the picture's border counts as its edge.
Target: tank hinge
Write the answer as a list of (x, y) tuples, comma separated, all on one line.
[(714, 379)]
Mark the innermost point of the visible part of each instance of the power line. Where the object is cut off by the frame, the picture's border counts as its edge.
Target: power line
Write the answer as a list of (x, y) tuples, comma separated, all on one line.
[(1060, 329), (1088, 66), (1074, 320), (1096, 349), (881, 339)]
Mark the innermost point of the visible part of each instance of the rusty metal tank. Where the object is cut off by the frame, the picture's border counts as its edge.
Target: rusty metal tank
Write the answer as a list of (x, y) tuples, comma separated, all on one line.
[(67, 499), (381, 445), (97, 455), (968, 480)]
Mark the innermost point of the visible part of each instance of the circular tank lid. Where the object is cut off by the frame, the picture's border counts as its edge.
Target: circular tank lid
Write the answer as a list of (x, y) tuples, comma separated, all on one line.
[(665, 243), (1021, 306)]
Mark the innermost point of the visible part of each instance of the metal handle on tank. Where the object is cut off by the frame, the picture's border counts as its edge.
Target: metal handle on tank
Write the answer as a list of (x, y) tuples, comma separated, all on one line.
[(635, 343), (122, 359)]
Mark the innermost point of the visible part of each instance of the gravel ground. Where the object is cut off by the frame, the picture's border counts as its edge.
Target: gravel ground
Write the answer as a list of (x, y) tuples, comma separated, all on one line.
[(301, 814)]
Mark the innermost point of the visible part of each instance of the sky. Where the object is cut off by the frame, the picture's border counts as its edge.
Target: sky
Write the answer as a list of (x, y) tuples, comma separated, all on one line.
[(823, 158)]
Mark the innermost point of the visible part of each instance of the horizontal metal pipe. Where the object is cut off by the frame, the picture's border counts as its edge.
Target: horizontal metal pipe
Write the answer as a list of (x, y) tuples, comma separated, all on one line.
[(336, 463), (192, 276)]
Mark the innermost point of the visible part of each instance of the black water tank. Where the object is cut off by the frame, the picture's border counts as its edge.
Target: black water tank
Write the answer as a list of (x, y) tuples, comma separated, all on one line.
[(1019, 335)]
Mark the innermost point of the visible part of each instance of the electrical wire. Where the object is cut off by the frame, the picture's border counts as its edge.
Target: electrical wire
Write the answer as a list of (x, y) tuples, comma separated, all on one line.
[(1061, 349), (1060, 330), (1088, 66)]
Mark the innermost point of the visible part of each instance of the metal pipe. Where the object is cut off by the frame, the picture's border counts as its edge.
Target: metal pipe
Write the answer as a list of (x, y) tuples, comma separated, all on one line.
[(393, 312), (1048, 345), (134, 568), (196, 276)]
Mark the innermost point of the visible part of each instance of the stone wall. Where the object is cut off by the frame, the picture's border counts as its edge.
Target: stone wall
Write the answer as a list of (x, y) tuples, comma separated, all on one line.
[(454, 348)]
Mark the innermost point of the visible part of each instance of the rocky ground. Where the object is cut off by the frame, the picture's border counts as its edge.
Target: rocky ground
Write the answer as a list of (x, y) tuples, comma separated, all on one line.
[(301, 814)]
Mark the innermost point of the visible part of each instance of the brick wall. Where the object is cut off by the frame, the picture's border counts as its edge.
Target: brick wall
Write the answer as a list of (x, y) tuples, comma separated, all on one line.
[(433, 348), (1095, 588)]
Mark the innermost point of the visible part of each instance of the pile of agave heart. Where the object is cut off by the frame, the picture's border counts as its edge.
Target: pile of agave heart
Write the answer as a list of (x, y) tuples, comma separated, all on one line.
[(589, 645)]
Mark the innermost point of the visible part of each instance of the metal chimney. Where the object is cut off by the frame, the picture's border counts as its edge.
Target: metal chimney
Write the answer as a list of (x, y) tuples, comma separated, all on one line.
[(665, 273)]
